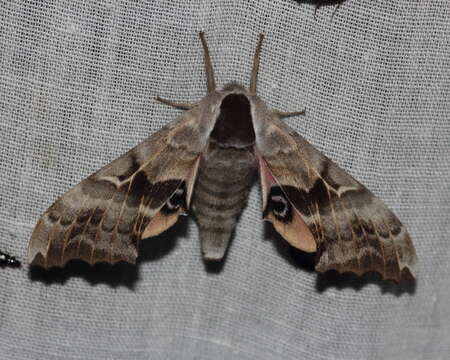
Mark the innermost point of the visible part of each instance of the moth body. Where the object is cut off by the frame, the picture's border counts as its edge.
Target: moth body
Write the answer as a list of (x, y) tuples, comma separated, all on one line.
[(226, 171)]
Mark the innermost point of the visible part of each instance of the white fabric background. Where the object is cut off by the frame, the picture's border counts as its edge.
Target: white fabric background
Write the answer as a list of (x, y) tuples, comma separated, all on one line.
[(77, 87)]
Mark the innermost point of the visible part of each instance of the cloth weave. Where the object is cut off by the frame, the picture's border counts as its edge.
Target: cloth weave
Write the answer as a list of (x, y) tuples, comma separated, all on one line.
[(77, 86)]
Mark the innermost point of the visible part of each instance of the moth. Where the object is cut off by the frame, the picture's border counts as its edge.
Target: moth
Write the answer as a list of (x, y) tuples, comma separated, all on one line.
[(8, 260), (205, 161)]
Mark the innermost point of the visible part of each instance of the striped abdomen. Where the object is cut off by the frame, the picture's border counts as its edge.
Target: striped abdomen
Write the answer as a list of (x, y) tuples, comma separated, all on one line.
[(223, 182)]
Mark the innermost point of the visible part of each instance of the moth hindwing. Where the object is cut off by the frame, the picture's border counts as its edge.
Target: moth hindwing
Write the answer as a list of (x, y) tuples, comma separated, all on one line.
[(206, 161)]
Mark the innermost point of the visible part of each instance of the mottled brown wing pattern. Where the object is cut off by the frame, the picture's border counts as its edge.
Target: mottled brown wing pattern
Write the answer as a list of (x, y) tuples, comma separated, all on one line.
[(354, 231), (138, 195)]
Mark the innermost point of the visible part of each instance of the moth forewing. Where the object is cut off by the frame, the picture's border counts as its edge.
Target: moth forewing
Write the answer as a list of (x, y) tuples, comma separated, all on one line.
[(354, 231), (103, 218)]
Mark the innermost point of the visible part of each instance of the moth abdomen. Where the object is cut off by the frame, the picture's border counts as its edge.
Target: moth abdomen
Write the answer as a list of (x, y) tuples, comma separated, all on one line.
[(224, 179)]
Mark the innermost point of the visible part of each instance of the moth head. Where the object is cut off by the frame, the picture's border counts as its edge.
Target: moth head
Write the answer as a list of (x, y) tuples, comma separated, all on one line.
[(231, 108)]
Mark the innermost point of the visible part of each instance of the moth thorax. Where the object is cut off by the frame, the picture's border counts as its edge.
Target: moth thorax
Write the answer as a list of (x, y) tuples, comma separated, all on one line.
[(234, 125)]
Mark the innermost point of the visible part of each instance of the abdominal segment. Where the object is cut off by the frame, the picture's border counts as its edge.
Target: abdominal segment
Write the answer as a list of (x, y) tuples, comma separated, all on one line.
[(223, 183)]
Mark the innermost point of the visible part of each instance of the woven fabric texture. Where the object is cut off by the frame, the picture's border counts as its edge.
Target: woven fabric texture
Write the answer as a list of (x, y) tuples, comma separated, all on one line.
[(77, 86)]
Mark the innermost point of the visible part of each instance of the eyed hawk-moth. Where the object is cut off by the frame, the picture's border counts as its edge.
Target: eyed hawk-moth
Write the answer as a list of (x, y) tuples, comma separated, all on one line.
[(205, 161)]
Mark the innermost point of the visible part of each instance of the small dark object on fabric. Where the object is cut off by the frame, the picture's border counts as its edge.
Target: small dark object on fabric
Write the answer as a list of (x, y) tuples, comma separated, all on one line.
[(8, 260), (320, 3)]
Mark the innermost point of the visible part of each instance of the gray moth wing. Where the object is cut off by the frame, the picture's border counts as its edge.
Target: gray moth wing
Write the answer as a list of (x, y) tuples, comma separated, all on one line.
[(318, 207), (138, 195)]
